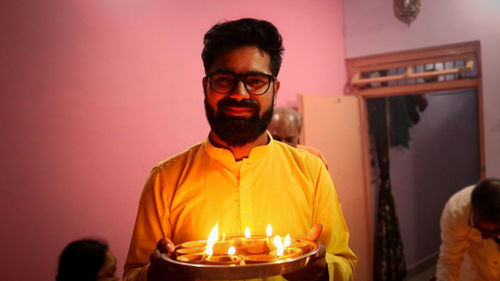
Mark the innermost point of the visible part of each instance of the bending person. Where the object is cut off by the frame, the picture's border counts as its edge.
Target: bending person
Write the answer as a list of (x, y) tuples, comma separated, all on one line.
[(470, 232)]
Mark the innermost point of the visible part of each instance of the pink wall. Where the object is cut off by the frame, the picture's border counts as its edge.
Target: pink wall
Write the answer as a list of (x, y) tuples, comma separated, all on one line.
[(372, 28), (94, 93)]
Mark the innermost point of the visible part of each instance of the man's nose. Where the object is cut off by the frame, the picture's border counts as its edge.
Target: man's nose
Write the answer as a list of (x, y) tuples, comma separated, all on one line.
[(239, 92)]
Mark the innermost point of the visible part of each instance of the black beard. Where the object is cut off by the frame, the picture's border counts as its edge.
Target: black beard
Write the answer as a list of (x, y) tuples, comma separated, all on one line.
[(235, 131)]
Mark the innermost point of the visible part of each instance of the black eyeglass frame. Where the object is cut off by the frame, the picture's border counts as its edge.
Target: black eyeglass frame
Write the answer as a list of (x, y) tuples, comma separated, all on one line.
[(242, 78), (485, 231)]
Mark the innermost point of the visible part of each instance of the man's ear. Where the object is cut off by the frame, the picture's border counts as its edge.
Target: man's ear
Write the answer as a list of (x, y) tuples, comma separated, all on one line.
[(276, 89), (204, 83)]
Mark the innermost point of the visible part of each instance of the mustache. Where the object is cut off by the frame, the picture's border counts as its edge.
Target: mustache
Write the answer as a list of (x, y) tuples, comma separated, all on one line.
[(235, 103)]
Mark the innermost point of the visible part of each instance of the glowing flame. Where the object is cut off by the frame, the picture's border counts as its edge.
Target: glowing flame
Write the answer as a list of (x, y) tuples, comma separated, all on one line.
[(247, 232), (231, 251), (214, 234), (279, 245), (269, 231), (287, 241), (209, 251)]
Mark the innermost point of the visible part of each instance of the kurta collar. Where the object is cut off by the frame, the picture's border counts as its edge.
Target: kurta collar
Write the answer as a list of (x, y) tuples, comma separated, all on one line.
[(225, 156)]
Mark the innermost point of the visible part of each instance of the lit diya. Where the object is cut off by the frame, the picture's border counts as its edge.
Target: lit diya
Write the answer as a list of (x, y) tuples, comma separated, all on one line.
[(256, 245), (229, 259), (284, 250)]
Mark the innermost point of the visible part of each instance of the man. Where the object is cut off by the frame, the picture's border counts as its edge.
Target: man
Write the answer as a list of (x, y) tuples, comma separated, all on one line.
[(470, 232), (285, 127), (239, 177)]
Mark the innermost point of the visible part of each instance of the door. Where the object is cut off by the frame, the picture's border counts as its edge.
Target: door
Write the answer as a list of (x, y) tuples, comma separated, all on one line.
[(336, 125)]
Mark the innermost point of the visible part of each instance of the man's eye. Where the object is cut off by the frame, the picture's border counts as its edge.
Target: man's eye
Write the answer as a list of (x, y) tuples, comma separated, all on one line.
[(224, 80), (255, 81)]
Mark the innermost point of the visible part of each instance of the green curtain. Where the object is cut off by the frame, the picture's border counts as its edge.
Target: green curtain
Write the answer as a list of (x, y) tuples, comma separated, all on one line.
[(389, 261)]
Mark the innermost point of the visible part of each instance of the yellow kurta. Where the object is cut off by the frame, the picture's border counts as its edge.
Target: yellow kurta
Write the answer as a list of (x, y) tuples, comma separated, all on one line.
[(186, 195)]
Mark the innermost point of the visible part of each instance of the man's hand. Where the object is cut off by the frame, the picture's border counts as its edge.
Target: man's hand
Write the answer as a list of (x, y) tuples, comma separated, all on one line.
[(159, 270), (316, 269)]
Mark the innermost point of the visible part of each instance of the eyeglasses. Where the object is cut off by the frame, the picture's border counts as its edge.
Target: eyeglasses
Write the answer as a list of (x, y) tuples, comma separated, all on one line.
[(256, 83), (482, 230)]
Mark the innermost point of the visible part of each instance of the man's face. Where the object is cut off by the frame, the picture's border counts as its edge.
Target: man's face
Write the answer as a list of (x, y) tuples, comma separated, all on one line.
[(238, 117), (488, 229), (284, 128)]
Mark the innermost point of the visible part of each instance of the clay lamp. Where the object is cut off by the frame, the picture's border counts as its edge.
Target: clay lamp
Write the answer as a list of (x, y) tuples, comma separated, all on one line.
[(194, 244), (191, 258), (185, 251), (269, 257), (283, 250), (228, 259), (254, 245), (305, 246)]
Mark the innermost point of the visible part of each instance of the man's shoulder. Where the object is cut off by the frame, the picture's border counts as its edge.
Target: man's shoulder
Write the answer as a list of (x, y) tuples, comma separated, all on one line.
[(182, 157), (311, 149), (298, 154), (463, 195), (459, 202), (315, 152)]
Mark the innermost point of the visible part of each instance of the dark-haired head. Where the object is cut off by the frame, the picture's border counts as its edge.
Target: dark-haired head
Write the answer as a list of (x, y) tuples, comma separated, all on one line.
[(82, 260), (485, 200), (230, 35)]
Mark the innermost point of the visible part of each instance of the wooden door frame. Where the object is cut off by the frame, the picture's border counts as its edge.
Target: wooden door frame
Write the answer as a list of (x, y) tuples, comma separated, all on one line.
[(458, 50)]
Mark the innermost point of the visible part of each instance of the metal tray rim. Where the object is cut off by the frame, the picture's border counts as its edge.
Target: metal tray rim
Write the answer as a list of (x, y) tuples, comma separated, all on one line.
[(247, 271)]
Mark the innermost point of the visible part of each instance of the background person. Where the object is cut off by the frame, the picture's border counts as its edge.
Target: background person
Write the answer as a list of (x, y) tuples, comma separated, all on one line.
[(239, 177), (87, 260), (285, 127), (470, 231)]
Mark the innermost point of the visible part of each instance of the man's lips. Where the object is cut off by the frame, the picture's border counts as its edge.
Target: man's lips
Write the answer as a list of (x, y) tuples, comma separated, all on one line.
[(238, 110)]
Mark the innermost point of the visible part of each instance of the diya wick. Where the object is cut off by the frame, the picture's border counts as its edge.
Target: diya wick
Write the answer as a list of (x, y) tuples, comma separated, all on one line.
[(269, 232)]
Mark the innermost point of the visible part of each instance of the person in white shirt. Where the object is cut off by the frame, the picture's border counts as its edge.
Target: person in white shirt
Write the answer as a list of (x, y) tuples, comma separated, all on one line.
[(470, 234)]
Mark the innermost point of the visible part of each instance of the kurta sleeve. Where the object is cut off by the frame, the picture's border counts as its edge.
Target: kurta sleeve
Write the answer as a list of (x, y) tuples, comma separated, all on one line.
[(454, 244), (335, 235), (152, 224)]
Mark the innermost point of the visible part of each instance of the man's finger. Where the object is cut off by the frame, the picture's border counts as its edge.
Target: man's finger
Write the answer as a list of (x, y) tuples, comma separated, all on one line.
[(315, 232), (155, 257), (165, 246)]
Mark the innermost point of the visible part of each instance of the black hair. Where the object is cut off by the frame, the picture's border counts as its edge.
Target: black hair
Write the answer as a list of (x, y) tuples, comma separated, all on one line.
[(81, 260), (230, 35), (485, 200)]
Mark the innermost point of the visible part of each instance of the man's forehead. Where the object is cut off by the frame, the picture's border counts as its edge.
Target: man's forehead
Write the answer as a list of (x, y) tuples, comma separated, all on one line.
[(243, 60), (284, 126)]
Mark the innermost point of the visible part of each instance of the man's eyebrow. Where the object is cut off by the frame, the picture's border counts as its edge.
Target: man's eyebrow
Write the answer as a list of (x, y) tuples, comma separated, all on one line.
[(227, 71)]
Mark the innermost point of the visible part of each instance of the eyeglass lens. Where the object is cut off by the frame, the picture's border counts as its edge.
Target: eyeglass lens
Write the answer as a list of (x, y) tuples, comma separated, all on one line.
[(255, 83)]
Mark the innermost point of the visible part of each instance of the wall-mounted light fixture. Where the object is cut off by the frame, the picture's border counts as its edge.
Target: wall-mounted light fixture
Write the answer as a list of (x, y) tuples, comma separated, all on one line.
[(407, 10)]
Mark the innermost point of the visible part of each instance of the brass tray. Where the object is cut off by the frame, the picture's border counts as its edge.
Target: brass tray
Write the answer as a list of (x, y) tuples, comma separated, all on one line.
[(245, 271)]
